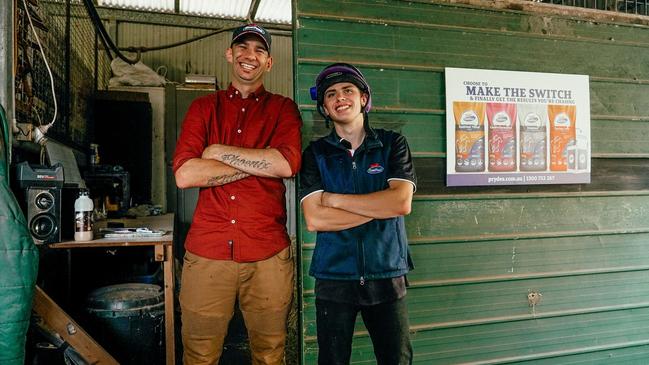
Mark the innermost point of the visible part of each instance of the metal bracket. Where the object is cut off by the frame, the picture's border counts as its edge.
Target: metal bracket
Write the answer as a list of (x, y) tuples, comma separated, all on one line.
[(534, 298)]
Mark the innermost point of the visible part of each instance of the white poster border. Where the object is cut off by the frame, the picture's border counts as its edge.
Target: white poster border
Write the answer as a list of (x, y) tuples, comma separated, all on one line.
[(567, 144)]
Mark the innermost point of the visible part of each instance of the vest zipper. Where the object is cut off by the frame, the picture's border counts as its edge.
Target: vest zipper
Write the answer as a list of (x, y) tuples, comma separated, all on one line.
[(354, 171), (361, 253), (361, 261)]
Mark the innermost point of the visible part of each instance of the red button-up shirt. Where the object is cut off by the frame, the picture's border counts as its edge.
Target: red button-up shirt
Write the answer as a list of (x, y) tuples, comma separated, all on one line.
[(245, 220)]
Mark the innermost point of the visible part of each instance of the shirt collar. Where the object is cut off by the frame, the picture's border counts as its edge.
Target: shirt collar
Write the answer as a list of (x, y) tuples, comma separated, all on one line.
[(233, 92)]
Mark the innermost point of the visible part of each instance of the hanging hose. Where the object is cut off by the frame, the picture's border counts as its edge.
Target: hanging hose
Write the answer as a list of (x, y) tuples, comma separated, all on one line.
[(110, 45), (176, 44), (103, 34)]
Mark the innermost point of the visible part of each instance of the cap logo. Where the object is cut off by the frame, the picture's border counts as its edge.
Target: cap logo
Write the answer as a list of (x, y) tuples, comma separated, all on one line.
[(254, 28), (333, 74)]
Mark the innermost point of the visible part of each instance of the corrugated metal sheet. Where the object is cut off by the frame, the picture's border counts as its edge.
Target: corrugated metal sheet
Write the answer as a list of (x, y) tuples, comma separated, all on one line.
[(237, 9), (274, 11), (149, 5), (269, 11), (205, 57), (480, 252), (280, 79)]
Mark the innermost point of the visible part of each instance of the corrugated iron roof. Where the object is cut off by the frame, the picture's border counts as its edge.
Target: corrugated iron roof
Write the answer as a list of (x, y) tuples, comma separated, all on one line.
[(149, 5), (237, 9), (268, 11), (274, 11)]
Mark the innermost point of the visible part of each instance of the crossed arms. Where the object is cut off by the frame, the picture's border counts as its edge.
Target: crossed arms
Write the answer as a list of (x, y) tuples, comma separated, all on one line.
[(324, 211), (198, 162), (222, 164)]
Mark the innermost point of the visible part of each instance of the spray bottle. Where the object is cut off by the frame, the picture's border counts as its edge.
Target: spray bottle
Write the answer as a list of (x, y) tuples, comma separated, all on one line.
[(83, 207)]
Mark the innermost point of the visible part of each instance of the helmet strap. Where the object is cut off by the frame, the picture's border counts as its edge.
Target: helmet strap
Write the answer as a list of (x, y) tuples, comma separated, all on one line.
[(366, 123)]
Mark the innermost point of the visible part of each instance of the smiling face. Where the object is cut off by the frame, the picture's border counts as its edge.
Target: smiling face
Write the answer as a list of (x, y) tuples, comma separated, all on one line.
[(250, 61), (344, 102)]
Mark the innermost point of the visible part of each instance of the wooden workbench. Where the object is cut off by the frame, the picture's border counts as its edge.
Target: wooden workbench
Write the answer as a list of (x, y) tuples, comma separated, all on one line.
[(163, 249)]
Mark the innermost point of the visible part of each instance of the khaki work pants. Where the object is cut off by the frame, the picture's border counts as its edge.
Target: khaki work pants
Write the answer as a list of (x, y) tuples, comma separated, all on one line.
[(208, 292)]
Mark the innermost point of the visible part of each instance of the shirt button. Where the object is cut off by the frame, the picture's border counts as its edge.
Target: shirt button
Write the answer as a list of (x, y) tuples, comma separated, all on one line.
[(233, 221), (256, 99), (239, 131), (236, 92), (232, 197), (230, 242), (243, 110)]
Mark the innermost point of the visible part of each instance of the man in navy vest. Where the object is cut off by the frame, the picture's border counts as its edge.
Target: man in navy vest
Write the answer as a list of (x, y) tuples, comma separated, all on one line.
[(357, 184)]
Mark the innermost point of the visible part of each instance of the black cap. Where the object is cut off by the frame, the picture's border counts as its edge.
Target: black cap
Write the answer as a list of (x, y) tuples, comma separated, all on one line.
[(251, 29)]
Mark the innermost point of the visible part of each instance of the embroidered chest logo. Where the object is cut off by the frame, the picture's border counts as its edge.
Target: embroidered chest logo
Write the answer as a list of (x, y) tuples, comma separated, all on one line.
[(374, 169)]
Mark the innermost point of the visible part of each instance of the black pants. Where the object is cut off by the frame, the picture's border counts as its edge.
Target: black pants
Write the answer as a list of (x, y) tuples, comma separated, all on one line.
[(387, 324)]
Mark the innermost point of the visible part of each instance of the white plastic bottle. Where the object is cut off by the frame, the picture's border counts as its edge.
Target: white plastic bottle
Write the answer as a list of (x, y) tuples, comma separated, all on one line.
[(83, 207)]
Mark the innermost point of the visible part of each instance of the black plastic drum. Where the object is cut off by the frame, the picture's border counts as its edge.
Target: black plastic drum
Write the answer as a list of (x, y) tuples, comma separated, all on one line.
[(128, 321)]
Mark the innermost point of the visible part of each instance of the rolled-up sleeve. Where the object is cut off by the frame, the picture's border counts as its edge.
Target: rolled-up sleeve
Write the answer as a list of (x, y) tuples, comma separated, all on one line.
[(287, 138), (193, 135)]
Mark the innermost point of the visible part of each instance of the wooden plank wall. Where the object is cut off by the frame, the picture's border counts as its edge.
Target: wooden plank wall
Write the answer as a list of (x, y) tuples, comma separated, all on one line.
[(479, 252)]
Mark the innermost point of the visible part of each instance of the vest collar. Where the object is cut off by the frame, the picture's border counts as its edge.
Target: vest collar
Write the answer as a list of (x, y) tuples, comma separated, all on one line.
[(371, 140)]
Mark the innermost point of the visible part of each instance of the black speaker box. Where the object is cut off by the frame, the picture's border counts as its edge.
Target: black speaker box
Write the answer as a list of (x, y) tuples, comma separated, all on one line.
[(43, 205)]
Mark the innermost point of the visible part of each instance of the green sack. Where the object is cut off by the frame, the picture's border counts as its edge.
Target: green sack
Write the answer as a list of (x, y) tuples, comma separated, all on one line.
[(18, 266)]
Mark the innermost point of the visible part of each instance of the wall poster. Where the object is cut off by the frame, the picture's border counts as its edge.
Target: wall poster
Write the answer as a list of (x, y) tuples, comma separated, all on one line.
[(516, 128)]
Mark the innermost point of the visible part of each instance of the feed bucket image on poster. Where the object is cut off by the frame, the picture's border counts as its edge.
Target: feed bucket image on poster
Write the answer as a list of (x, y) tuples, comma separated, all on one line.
[(562, 136), (469, 136), (533, 139), (501, 121)]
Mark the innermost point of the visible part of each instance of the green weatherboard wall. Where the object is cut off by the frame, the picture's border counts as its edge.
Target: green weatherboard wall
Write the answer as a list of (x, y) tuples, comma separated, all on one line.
[(481, 252)]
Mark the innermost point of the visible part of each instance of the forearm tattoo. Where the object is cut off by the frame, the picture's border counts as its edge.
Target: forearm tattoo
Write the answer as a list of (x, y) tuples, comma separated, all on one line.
[(237, 161), (224, 179)]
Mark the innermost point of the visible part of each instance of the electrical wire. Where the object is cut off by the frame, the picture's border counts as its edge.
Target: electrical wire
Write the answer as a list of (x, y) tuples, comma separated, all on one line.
[(41, 128), (22, 132), (176, 44), (42, 155)]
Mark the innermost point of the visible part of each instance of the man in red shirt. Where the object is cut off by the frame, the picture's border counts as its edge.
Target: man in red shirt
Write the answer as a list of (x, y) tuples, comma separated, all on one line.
[(237, 145)]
